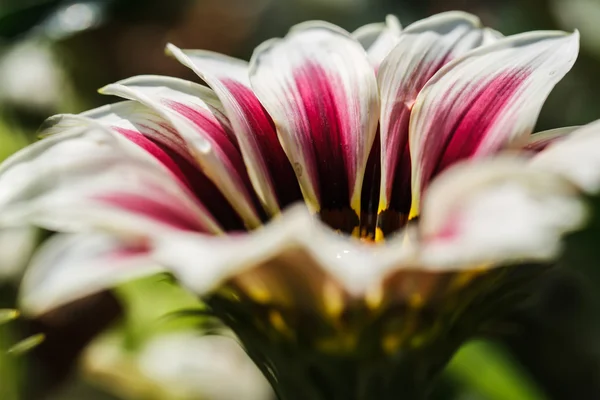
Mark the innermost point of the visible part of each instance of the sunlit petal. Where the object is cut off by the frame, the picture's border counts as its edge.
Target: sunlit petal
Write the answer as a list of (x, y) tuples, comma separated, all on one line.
[(540, 140), (576, 157), (269, 169), (71, 266), (321, 91), (194, 111), (291, 257), (423, 49), (379, 38), (497, 211), (95, 179), (484, 101), (154, 134)]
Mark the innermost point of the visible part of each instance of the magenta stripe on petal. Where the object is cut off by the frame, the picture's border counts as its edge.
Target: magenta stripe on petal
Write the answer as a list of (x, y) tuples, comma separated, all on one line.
[(165, 210), (262, 126), (369, 202), (207, 193), (224, 145), (154, 149), (325, 111), (139, 248), (208, 124), (401, 188), (466, 130), (190, 175)]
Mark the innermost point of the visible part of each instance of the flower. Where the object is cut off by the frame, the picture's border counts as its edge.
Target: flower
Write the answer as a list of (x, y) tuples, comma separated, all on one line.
[(411, 150)]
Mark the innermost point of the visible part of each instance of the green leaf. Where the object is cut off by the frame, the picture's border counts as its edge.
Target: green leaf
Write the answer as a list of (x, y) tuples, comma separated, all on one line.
[(485, 368), (7, 315), (27, 344)]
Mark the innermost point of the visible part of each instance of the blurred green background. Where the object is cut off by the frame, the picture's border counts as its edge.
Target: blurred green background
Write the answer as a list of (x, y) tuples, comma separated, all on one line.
[(55, 54)]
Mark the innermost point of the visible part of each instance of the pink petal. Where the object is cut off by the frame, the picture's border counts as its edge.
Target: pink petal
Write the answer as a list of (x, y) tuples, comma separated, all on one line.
[(320, 89), (196, 114), (424, 48), (93, 178), (270, 171), (485, 101), (153, 134)]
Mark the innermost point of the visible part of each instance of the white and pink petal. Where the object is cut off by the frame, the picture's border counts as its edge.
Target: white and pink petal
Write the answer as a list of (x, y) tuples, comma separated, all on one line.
[(91, 179), (196, 114), (424, 47), (497, 212), (69, 267), (485, 101), (153, 134), (320, 89), (269, 169), (294, 259)]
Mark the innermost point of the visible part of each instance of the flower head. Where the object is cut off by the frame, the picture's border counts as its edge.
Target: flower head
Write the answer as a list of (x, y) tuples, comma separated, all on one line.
[(391, 138)]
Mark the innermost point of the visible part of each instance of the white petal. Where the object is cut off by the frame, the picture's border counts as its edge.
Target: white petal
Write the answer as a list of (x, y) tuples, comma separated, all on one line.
[(295, 251), (69, 267), (495, 212), (379, 38), (16, 246), (577, 157), (540, 140), (209, 362)]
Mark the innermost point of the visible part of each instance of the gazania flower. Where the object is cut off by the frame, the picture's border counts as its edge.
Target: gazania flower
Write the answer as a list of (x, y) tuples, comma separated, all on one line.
[(415, 230)]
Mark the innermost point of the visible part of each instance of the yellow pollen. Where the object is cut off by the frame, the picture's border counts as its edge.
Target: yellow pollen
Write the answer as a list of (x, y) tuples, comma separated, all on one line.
[(277, 321), (374, 297), (414, 211), (257, 290), (465, 277), (333, 299)]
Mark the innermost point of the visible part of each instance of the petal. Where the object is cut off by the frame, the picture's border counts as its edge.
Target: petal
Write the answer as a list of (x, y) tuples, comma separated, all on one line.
[(293, 258), (539, 141), (194, 111), (320, 89), (94, 178), (71, 266), (16, 246), (484, 101), (577, 157), (211, 363), (270, 171), (495, 212), (152, 133), (424, 48), (378, 39)]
